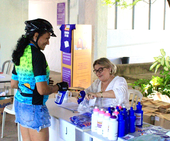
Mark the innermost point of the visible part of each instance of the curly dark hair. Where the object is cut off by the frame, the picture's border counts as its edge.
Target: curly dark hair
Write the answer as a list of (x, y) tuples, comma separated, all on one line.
[(22, 42)]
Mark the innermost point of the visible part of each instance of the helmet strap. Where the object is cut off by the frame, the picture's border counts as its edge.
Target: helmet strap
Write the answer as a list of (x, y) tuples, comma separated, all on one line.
[(36, 43)]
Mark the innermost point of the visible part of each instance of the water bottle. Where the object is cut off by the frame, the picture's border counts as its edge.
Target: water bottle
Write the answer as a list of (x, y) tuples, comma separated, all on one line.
[(100, 122), (121, 125), (59, 97), (126, 118), (117, 108), (94, 119), (105, 124), (132, 119), (113, 127), (81, 97), (139, 115), (65, 99), (111, 109)]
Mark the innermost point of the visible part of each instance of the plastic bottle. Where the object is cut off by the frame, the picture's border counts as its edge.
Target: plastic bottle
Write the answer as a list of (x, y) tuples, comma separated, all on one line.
[(132, 119), (120, 107), (100, 121), (126, 118), (117, 107), (59, 97), (94, 119), (81, 97), (65, 99), (113, 127), (121, 125), (139, 115), (105, 125), (116, 112), (111, 109)]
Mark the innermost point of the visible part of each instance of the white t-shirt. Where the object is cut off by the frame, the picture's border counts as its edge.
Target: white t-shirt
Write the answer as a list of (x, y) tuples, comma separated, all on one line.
[(120, 88)]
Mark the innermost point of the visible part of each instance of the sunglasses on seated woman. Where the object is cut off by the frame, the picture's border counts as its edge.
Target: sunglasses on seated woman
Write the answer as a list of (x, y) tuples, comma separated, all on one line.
[(100, 70)]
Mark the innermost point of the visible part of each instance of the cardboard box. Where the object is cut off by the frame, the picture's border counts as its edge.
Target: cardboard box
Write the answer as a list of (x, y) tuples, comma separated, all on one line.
[(149, 110), (4, 103), (145, 126), (162, 120), (149, 118)]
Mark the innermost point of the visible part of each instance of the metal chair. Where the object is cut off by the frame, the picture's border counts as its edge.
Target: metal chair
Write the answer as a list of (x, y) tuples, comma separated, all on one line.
[(136, 96)]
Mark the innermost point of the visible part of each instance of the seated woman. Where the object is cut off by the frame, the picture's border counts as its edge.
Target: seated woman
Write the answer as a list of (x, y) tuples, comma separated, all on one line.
[(108, 89)]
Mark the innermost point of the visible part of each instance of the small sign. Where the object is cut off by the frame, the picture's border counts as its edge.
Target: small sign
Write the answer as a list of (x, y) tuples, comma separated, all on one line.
[(66, 75), (66, 58), (60, 13), (156, 118)]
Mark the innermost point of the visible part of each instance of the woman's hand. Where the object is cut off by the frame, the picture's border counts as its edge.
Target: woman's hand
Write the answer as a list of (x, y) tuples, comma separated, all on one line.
[(90, 96)]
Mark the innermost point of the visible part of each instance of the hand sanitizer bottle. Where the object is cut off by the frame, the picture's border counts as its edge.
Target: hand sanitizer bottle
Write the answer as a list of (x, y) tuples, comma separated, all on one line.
[(132, 119), (100, 122), (111, 109), (113, 128), (126, 118), (94, 119), (121, 125), (116, 112), (105, 124), (139, 115), (59, 97)]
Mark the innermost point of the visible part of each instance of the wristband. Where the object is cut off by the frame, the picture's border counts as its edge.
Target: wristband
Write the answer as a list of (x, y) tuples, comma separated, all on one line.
[(101, 94)]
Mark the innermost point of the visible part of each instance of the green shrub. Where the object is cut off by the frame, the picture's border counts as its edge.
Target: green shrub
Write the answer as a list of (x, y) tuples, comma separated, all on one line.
[(159, 83)]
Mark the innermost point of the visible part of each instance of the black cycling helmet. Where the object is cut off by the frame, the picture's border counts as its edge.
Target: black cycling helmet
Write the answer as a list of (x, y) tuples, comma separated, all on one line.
[(38, 25)]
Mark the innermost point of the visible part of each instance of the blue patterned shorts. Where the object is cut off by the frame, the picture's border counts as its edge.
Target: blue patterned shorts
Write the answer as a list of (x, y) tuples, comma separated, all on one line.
[(32, 116)]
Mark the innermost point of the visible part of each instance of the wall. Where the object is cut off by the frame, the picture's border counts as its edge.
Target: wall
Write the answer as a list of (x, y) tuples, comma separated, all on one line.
[(84, 12), (141, 41), (138, 40), (47, 9), (140, 44), (94, 13), (12, 17), (12, 25)]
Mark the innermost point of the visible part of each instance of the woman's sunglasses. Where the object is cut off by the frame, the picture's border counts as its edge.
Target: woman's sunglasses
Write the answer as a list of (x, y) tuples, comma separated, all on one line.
[(100, 70)]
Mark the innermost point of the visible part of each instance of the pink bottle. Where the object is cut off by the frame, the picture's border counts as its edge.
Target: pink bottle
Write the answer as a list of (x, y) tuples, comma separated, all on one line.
[(116, 112), (120, 107), (94, 119), (100, 121), (105, 125)]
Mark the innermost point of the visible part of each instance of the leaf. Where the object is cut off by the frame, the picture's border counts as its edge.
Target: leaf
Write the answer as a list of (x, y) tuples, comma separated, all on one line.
[(166, 68), (153, 65), (162, 61), (156, 58), (167, 61), (162, 52), (157, 67)]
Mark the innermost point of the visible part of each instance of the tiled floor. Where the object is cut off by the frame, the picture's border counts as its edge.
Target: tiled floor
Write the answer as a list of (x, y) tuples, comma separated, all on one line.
[(10, 130)]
